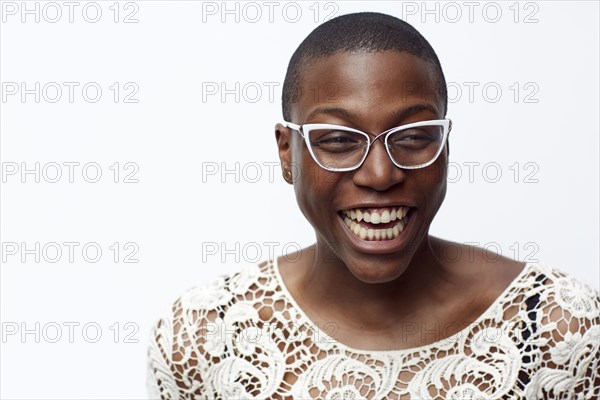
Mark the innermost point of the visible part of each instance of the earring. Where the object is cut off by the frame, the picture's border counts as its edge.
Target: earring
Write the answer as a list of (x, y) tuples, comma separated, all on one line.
[(287, 176)]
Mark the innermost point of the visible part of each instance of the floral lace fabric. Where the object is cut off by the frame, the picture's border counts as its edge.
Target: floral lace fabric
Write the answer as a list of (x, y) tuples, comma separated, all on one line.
[(244, 337)]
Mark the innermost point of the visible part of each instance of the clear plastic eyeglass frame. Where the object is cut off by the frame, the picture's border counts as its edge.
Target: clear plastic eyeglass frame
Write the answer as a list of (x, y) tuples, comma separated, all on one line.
[(304, 130)]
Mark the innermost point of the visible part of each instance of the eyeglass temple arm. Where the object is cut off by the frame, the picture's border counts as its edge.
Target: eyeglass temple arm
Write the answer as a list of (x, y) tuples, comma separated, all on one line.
[(292, 126)]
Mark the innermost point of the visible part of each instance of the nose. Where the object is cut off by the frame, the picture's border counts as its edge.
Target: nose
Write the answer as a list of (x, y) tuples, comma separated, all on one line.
[(378, 171)]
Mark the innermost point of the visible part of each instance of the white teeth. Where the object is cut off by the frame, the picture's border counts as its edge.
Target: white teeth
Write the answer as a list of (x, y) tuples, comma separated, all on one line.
[(385, 217), (374, 234), (363, 233), (375, 218)]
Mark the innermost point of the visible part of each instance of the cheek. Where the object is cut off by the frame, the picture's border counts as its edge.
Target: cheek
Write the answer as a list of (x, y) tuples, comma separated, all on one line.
[(432, 183), (308, 175), (443, 175), (301, 162), (443, 170), (437, 183), (305, 175), (314, 186)]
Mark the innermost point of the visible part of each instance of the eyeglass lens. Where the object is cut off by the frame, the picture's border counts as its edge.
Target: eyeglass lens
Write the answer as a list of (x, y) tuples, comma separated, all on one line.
[(339, 148)]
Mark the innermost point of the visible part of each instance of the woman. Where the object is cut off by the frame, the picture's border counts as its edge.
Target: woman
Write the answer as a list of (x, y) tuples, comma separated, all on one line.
[(375, 308)]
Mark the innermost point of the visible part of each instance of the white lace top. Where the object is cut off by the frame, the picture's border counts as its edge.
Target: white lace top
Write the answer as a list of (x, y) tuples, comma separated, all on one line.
[(244, 337)]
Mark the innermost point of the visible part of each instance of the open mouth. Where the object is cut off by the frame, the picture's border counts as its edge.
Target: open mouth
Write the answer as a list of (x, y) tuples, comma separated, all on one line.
[(376, 223)]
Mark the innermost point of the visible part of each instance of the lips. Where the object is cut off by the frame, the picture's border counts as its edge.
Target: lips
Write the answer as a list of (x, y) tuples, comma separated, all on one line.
[(376, 223)]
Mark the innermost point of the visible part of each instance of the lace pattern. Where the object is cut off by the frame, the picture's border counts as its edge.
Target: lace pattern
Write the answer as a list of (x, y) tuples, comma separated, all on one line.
[(244, 337)]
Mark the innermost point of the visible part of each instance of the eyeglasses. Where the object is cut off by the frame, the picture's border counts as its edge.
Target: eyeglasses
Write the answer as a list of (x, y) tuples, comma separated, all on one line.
[(339, 148)]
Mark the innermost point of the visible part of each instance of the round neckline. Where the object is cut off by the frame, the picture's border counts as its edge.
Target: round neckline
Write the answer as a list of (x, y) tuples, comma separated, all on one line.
[(274, 265)]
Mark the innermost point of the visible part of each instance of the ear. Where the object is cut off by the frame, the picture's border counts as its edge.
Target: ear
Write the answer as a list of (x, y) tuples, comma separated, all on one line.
[(284, 144)]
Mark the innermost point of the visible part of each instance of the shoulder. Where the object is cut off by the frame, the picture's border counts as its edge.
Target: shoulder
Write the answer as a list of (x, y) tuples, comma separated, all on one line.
[(225, 290), (569, 306), (496, 274), (210, 301), (563, 317), (480, 267), (189, 333), (563, 293), (553, 321), (564, 301)]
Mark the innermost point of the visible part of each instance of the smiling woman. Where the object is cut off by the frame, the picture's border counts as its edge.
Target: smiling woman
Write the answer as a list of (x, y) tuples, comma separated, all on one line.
[(375, 308)]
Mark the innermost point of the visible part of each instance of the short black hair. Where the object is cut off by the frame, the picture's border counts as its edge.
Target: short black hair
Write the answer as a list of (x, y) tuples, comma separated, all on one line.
[(364, 31)]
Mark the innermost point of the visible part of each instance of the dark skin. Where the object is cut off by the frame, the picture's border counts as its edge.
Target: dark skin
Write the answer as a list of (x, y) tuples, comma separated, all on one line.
[(371, 295)]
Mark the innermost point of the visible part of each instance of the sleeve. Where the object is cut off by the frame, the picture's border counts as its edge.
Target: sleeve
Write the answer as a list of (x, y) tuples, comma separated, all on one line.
[(568, 342), (176, 353), (187, 344), (161, 382), (177, 356)]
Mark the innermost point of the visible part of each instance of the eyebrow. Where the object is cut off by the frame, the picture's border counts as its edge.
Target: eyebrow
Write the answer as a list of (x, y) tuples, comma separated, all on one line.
[(400, 115)]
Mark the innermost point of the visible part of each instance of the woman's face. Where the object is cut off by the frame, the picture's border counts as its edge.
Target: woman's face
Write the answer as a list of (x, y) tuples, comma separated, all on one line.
[(372, 92)]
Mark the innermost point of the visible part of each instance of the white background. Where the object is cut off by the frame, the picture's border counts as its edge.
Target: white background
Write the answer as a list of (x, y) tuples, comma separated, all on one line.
[(174, 135)]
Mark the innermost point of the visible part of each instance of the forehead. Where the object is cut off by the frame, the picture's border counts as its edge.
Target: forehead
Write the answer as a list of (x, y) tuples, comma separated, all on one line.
[(367, 81)]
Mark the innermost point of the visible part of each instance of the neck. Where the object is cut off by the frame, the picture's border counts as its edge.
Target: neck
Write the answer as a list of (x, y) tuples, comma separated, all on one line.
[(424, 283)]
